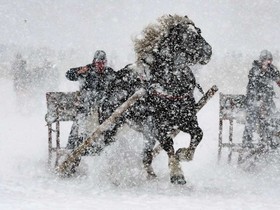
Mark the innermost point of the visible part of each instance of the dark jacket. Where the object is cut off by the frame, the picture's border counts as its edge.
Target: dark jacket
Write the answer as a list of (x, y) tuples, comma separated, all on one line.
[(260, 85), (92, 84)]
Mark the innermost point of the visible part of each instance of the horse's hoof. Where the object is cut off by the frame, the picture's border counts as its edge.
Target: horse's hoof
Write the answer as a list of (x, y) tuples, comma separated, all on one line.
[(178, 179), (68, 173), (185, 154), (151, 176), (150, 172)]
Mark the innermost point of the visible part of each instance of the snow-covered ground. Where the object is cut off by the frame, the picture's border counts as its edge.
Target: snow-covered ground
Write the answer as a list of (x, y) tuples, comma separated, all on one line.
[(115, 180)]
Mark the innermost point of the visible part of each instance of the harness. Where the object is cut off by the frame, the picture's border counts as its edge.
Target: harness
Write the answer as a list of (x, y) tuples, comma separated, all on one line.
[(165, 95), (171, 97)]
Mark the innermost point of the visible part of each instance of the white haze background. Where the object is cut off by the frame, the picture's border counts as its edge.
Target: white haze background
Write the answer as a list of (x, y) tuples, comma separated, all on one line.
[(68, 32)]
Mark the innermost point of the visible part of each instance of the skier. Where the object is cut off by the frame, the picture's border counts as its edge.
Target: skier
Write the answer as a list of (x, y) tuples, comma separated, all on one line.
[(259, 99), (94, 80)]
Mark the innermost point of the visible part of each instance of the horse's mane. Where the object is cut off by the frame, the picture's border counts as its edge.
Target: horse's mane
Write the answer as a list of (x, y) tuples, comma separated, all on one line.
[(147, 43)]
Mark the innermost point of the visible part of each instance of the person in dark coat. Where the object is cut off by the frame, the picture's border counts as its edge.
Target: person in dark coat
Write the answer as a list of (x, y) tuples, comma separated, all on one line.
[(259, 98), (94, 80)]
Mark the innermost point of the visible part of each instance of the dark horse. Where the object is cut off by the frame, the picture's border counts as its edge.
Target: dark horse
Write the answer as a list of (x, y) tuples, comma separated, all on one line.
[(164, 53)]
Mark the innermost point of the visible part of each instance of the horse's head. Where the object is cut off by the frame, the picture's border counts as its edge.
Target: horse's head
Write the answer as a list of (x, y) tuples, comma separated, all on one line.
[(186, 45), (174, 41)]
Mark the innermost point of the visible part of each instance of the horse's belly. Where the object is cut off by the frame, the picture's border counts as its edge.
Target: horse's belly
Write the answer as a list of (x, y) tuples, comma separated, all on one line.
[(174, 112)]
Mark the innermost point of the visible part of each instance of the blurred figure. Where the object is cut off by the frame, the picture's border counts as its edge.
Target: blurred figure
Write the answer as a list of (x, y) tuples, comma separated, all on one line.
[(22, 84), (21, 77), (94, 80), (259, 99)]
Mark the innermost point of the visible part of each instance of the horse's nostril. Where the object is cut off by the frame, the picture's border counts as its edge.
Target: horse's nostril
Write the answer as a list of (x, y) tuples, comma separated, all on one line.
[(207, 49)]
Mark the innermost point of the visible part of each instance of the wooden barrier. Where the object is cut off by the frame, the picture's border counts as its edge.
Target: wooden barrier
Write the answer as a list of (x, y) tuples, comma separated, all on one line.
[(232, 109), (61, 106)]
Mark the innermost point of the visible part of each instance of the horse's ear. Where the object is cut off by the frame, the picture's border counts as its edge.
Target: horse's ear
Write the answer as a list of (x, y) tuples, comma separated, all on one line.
[(186, 17)]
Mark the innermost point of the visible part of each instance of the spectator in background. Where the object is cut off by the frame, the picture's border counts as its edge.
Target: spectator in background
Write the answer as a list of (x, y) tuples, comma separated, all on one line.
[(21, 77)]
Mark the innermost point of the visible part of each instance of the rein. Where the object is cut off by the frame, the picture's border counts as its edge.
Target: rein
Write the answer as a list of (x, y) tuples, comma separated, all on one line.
[(199, 88)]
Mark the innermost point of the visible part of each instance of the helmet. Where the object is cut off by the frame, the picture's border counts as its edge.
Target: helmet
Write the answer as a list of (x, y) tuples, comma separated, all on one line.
[(266, 55), (99, 55)]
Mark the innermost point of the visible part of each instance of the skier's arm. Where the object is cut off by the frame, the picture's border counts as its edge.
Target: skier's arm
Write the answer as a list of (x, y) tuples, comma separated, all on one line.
[(275, 75), (74, 73)]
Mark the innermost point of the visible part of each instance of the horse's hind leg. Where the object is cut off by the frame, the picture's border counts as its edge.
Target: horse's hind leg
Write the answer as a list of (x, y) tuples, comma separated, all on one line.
[(149, 144), (148, 155)]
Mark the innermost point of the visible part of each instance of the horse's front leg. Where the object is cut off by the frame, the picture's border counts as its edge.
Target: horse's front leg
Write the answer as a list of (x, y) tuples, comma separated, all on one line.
[(187, 154), (176, 172)]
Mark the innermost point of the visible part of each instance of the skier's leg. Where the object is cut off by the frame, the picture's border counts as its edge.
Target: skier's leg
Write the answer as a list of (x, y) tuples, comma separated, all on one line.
[(251, 121), (74, 140)]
